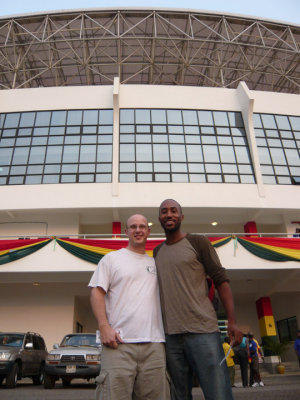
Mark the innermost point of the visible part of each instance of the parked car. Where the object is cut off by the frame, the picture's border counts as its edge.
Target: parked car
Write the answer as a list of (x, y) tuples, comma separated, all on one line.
[(78, 356), (22, 355)]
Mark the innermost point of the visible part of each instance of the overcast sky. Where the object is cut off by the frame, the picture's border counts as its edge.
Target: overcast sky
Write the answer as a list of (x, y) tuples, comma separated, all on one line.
[(282, 10)]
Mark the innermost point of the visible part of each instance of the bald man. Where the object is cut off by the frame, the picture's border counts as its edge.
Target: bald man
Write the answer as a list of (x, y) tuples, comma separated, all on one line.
[(125, 302)]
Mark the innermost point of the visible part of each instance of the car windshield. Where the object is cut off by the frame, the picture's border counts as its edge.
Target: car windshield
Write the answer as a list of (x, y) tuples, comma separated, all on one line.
[(11, 340), (79, 340)]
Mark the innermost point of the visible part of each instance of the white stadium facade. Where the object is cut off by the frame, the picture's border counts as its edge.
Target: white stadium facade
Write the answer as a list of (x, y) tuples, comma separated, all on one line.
[(107, 112)]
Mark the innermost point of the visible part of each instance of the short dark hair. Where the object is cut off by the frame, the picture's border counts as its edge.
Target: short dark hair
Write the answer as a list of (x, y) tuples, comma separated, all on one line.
[(179, 206)]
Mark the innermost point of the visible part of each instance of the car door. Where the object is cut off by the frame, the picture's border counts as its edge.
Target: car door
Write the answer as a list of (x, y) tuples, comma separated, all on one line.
[(27, 356)]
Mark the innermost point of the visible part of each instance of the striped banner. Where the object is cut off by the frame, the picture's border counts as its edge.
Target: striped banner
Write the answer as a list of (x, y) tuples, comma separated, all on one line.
[(273, 249), (93, 250), (11, 250)]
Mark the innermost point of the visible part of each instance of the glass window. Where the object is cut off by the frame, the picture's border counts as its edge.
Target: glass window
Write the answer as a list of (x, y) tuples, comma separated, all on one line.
[(142, 128), (37, 155), (128, 167), (197, 178), (127, 116), (34, 169), (83, 168), (189, 117), (68, 178), (282, 122), (235, 119), (162, 167), (103, 168), (105, 129), (295, 122), (205, 118), (174, 117), (40, 131), (180, 178), (74, 117), (176, 139), (17, 170), (24, 132), (53, 154), (144, 167), (71, 154), (33, 179), (257, 121), (9, 132), (158, 117), (220, 118), (127, 177), (231, 178), (177, 152), (277, 156), (52, 169), (210, 153), (16, 180), (88, 153), (90, 117), (106, 117), (194, 153), (143, 139), (58, 118), (69, 168), (142, 116), (68, 139), (178, 167), (162, 178), (227, 154), (196, 168), (242, 155), (89, 139), (43, 118), (175, 129), (159, 128), (20, 155), (127, 152), (51, 179), (161, 152), (143, 152), (12, 120), (27, 119), (268, 121), (7, 142), (127, 129), (103, 178), (213, 168), (144, 177), (104, 153), (292, 157), (287, 329), (232, 169)]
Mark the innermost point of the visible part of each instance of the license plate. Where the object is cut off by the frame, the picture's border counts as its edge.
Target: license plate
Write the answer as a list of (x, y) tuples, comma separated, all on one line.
[(70, 369)]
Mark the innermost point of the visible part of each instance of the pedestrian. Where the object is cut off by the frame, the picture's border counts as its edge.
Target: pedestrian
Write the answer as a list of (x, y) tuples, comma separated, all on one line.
[(229, 354), (297, 346), (255, 379), (242, 354), (125, 301), (192, 335)]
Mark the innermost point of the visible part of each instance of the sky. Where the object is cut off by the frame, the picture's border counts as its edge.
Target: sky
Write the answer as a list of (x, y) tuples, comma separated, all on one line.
[(280, 10)]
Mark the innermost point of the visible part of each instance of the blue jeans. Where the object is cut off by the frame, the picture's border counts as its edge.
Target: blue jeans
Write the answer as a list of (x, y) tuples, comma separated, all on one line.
[(198, 353)]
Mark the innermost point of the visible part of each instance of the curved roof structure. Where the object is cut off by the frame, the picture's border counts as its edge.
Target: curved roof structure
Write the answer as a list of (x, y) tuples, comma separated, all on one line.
[(141, 46)]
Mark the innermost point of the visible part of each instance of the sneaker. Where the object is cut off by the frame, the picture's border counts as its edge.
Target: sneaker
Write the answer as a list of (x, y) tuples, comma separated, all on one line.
[(255, 384), (261, 384)]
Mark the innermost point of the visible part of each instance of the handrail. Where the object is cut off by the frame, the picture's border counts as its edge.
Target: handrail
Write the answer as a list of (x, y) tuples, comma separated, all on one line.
[(152, 235)]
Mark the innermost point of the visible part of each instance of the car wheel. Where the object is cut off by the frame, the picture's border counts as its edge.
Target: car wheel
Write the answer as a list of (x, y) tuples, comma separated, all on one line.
[(39, 379), (66, 381), (49, 381), (12, 377)]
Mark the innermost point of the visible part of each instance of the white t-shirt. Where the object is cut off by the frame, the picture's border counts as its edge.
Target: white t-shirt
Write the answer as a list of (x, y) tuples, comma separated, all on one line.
[(132, 295)]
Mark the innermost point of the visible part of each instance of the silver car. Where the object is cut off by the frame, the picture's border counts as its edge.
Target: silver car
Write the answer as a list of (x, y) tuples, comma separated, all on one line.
[(78, 356), (22, 355)]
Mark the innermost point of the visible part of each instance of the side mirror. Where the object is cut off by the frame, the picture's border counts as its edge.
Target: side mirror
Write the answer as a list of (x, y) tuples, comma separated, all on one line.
[(56, 346), (28, 346)]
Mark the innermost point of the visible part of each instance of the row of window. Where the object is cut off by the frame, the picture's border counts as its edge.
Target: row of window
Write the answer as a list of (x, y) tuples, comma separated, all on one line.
[(155, 145)]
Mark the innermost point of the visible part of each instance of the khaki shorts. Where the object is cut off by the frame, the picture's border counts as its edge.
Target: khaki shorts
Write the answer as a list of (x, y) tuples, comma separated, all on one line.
[(133, 371)]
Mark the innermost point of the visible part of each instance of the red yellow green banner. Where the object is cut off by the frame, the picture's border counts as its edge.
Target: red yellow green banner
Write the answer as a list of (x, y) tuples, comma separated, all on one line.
[(92, 250), (11, 250), (273, 249)]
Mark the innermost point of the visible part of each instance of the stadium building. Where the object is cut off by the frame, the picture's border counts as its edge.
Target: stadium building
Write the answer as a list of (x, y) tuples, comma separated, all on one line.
[(107, 112)]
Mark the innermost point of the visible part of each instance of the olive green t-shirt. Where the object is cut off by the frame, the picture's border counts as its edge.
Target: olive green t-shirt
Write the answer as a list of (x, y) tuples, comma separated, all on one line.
[(183, 287)]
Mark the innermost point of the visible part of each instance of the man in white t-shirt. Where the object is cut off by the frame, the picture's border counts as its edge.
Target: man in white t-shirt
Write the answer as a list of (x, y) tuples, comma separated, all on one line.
[(125, 302)]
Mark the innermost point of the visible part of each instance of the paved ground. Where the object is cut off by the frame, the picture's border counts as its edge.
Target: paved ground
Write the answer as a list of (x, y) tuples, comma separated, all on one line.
[(277, 387)]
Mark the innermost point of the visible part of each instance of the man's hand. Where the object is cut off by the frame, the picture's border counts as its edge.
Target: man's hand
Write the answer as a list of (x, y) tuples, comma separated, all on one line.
[(234, 334), (109, 337)]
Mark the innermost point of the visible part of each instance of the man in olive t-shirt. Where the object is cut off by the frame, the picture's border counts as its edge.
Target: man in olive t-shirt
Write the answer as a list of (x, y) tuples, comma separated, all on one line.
[(192, 336)]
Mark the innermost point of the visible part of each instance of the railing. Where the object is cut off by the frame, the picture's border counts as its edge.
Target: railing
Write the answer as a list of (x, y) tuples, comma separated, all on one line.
[(152, 235)]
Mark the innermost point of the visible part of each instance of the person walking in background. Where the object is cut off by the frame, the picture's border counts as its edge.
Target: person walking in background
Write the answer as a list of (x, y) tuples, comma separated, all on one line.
[(229, 354), (193, 341), (242, 353), (125, 302), (297, 346), (255, 379)]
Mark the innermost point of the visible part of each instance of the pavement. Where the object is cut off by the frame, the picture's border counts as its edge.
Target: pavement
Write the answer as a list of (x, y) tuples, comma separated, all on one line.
[(277, 387)]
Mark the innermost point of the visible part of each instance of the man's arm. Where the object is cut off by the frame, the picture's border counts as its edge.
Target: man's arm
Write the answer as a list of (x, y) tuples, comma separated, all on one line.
[(226, 298), (109, 337)]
